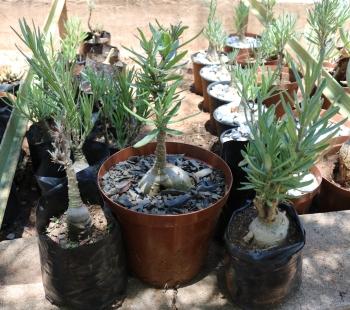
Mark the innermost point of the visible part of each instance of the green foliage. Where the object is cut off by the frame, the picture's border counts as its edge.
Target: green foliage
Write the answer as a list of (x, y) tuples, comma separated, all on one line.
[(325, 20), (277, 35), (113, 94), (241, 18), (281, 152), (34, 104), (56, 71), (74, 36), (253, 81), (268, 16), (214, 31), (159, 77)]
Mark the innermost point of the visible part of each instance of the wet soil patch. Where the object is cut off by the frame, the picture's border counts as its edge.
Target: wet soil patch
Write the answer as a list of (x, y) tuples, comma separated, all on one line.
[(239, 227), (58, 232), (120, 184)]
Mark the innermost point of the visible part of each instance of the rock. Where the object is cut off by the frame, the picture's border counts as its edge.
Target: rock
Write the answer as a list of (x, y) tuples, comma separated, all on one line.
[(11, 236)]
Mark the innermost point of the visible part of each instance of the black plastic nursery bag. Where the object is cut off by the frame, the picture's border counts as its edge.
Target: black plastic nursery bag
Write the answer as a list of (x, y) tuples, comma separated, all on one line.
[(91, 276), (260, 279)]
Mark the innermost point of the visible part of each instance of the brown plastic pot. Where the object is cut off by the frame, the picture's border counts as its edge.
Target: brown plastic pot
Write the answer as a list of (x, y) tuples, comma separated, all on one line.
[(287, 89), (167, 249), (205, 83), (332, 196), (197, 66), (302, 203)]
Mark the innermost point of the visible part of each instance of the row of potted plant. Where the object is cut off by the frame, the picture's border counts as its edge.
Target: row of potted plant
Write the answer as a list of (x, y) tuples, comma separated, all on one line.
[(167, 197)]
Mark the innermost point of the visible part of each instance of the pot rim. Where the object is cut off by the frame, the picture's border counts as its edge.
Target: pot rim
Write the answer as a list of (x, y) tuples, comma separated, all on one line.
[(199, 63), (230, 129), (204, 78), (211, 85), (316, 172), (228, 185)]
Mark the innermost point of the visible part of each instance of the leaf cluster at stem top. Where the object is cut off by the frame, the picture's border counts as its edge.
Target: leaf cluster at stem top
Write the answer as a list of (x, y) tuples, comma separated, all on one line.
[(214, 31), (276, 36), (241, 18), (159, 76), (71, 109), (325, 20)]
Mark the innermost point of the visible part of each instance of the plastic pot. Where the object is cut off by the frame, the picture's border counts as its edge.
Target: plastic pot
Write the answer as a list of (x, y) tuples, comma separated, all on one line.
[(215, 102), (205, 83), (197, 66), (220, 124), (167, 249), (302, 203), (91, 276), (262, 279), (231, 154), (332, 196)]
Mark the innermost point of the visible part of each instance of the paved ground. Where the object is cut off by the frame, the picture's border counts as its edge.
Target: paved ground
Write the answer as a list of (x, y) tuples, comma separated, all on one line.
[(326, 275)]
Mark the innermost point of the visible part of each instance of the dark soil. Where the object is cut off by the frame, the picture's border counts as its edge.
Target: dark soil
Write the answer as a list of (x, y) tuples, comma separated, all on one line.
[(238, 229), (57, 230), (120, 183)]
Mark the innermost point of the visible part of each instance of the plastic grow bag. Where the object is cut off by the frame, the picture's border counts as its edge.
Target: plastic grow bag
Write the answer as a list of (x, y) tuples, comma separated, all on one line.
[(91, 276), (261, 279)]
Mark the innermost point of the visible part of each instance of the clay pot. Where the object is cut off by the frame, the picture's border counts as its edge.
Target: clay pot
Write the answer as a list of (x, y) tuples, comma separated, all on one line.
[(205, 83), (332, 196), (302, 203), (167, 249), (289, 89)]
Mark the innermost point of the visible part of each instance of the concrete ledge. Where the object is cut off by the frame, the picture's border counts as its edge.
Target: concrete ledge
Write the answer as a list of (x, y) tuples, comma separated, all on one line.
[(326, 275)]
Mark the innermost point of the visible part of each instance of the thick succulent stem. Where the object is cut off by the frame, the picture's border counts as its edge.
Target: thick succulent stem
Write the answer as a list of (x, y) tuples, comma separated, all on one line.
[(212, 54), (89, 20), (80, 162), (270, 227), (160, 152), (78, 217), (162, 174)]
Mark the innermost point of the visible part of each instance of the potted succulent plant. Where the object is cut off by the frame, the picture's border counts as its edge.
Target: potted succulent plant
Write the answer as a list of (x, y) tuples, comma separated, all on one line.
[(244, 42), (273, 42), (264, 239), (118, 127), (325, 21), (74, 234), (234, 131), (167, 223), (96, 38), (216, 37)]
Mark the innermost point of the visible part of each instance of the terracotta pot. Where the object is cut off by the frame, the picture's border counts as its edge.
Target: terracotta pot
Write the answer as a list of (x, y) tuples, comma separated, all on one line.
[(302, 203), (167, 249), (290, 89), (333, 197), (205, 83)]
